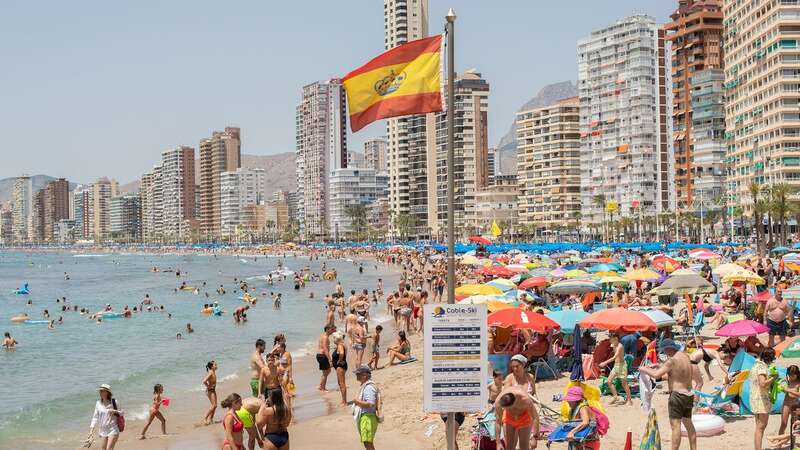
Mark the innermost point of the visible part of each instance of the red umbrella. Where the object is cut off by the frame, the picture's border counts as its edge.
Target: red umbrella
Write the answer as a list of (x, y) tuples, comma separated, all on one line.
[(533, 282), (519, 318), (480, 240), (762, 297), (665, 263), (499, 271), (618, 319)]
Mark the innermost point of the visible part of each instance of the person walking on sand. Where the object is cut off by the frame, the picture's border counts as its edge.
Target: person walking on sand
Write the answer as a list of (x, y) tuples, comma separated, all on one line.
[(339, 359), (678, 368), (256, 365), (105, 420), (269, 379), (367, 406), (376, 348), (210, 382), (155, 411), (324, 355), (619, 371), (517, 418)]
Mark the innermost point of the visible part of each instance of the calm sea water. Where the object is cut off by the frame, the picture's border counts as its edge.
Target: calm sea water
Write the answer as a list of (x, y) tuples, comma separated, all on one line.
[(48, 384)]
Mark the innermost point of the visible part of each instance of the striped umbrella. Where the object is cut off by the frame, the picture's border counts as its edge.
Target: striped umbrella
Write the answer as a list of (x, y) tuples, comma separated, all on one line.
[(793, 293), (502, 284), (575, 273), (575, 286), (651, 438)]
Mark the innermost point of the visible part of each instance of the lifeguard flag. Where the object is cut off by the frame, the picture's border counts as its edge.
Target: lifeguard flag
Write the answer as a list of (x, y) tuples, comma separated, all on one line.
[(496, 231), (403, 81)]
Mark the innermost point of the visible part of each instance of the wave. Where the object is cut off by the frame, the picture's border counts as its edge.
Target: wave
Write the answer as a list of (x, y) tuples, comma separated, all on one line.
[(226, 378), (90, 255)]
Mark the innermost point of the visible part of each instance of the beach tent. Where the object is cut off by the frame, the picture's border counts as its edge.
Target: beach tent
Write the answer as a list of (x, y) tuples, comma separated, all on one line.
[(744, 361)]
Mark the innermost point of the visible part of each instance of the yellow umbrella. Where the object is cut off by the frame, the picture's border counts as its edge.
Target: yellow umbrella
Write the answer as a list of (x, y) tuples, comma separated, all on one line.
[(724, 269), (683, 272), (607, 273), (616, 280), (477, 289), (743, 276), (575, 273), (641, 275), (497, 306), (470, 260)]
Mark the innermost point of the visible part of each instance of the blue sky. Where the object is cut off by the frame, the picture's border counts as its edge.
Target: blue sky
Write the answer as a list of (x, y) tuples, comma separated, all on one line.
[(97, 88)]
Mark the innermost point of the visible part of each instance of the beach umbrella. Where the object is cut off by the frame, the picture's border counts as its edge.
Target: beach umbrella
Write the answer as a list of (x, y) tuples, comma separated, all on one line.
[(684, 272), (520, 277), (498, 306), (665, 263), (483, 299), (651, 439), (576, 374), (605, 267), (576, 286), (599, 275), (703, 254), (780, 250), (558, 273), (517, 268), (614, 280), (791, 257), (743, 275), (477, 289), (742, 328), (533, 282), (661, 318), (519, 318), (641, 275), (498, 271), (685, 284), (568, 318), (502, 284), (724, 269), (471, 260), (793, 293), (763, 296), (789, 348), (480, 240), (575, 273), (618, 319), (793, 266)]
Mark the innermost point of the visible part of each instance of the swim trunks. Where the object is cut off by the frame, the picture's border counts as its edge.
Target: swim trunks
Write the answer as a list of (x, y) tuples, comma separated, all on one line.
[(680, 405), (405, 311), (358, 346), (524, 420), (777, 328), (620, 371), (323, 361), (367, 427), (254, 386)]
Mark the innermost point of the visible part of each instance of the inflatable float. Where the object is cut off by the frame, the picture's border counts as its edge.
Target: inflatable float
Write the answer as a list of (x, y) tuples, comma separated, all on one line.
[(36, 322), (706, 425), (186, 288), (207, 311), (329, 276), (20, 318), (23, 290)]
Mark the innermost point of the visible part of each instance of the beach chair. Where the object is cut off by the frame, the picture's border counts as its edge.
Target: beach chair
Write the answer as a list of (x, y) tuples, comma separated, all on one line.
[(483, 433), (697, 325)]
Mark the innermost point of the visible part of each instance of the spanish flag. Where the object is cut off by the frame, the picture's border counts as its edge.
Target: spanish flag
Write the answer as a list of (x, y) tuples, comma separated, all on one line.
[(403, 81)]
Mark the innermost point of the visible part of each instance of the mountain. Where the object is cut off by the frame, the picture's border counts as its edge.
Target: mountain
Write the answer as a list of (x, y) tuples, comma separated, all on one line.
[(279, 171), (38, 182), (507, 147)]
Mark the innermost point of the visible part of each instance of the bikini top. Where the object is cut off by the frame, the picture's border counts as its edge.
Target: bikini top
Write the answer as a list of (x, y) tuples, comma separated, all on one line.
[(237, 427)]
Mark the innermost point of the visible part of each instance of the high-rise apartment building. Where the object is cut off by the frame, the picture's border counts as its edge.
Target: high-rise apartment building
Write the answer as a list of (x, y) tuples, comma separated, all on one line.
[(404, 20), (356, 159), (321, 147), (102, 191), (222, 152), (126, 218), (152, 203), (55, 207), (81, 205), (350, 187), (626, 152), (6, 226), (549, 175), (242, 190), (375, 154), (168, 197), (36, 232), (695, 33), (708, 137), (762, 82), (22, 208)]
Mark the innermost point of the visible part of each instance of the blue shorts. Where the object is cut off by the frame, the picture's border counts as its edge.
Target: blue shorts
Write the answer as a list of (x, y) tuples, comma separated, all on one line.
[(777, 328)]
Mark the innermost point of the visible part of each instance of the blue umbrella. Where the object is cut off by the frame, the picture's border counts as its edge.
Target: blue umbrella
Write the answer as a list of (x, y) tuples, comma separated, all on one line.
[(577, 352), (567, 318)]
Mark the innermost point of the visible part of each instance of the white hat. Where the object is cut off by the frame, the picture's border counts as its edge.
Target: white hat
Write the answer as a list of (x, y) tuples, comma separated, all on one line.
[(520, 359), (104, 387)]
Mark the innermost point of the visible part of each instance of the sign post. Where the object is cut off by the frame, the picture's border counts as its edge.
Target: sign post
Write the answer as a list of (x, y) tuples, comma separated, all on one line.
[(456, 359)]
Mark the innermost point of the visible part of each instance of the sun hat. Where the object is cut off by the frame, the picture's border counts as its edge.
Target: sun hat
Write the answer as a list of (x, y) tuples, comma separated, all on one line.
[(574, 394), (520, 359), (669, 343), (104, 387), (362, 370)]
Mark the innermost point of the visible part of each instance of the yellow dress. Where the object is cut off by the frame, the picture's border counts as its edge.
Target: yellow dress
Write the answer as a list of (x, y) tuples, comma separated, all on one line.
[(760, 401)]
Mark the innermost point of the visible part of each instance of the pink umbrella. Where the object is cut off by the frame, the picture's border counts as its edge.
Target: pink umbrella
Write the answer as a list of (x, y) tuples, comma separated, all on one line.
[(742, 328), (703, 254)]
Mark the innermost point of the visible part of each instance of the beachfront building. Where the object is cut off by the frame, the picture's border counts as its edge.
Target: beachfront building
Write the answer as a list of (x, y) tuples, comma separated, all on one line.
[(151, 193), (491, 163), (22, 208), (356, 159), (375, 154), (222, 152), (55, 206), (64, 231), (497, 203), (762, 82), (352, 190), (549, 149), (708, 138), (404, 20), (80, 206), (626, 155), (126, 218), (6, 226), (321, 148), (695, 34), (168, 198), (102, 191), (36, 232), (241, 191)]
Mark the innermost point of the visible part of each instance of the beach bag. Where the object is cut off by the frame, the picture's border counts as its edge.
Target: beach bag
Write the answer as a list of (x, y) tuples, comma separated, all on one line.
[(590, 369), (120, 417), (603, 424)]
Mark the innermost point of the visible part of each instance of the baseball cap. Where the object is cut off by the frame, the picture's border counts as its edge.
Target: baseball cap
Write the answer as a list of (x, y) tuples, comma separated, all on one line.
[(669, 343)]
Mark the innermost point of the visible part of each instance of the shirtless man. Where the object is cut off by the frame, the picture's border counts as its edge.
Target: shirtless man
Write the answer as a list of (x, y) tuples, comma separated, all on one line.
[(349, 322), (405, 304), (620, 370), (269, 378), (517, 418), (679, 372), (776, 314), (324, 355), (329, 316), (256, 365), (9, 342), (249, 416)]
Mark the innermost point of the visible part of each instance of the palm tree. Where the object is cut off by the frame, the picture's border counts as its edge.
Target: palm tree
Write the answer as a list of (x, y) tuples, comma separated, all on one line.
[(759, 208), (404, 224), (781, 205), (358, 218), (576, 216), (599, 200)]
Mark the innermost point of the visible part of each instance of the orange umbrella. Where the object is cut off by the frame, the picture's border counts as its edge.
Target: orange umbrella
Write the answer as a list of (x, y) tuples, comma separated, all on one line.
[(618, 319), (533, 282), (519, 318)]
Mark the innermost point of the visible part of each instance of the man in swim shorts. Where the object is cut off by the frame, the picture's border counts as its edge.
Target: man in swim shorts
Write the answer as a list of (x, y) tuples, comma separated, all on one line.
[(517, 417), (324, 355), (256, 365)]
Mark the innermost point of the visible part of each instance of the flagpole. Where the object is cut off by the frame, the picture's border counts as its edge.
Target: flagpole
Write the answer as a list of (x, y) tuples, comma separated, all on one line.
[(451, 264)]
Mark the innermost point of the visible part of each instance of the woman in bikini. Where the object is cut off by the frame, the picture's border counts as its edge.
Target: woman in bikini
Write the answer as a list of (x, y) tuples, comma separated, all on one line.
[(210, 382), (401, 351), (231, 423), (285, 368), (339, 358), (520, 377), (278, 417)]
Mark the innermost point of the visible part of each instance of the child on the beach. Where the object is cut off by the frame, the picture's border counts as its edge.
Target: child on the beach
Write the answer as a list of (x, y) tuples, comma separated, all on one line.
[(155, 411), (376, 348), (781, 440)]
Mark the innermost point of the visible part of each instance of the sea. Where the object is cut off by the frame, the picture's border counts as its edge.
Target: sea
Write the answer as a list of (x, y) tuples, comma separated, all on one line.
[(49, 383)]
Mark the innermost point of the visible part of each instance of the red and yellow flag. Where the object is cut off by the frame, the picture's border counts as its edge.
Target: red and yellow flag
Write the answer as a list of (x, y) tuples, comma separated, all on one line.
[(405, 80)]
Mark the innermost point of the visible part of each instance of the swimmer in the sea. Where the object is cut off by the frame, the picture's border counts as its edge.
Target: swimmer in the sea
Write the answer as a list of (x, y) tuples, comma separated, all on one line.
[(9, 342)]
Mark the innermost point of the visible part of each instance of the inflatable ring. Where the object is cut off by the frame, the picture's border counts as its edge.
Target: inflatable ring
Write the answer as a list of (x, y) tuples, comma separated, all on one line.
[(329, 276), (206, 310), (706, 424)]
